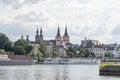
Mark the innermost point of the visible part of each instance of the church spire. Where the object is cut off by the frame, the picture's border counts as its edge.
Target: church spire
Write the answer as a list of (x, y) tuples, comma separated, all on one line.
[(66, 33), (37, 32), (66, 36), (27, 38), (58, 32), (21, 36), (41, 35)]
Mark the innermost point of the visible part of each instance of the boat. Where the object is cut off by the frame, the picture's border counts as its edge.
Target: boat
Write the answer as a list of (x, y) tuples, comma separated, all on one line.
[(15, 60), (70, 61), (109, 68)]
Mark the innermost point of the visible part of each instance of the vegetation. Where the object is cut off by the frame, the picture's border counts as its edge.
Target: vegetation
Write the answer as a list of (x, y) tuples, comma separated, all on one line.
[(72, 52), (22, 47), (108, 54), (19, 50), (39, 54), (55, 54), (2, 51), (43, 49), (5, 43), (85, 53)]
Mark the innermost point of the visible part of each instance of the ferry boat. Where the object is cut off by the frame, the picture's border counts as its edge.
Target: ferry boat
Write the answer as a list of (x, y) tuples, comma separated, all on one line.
[(70, 61), (15, 60)]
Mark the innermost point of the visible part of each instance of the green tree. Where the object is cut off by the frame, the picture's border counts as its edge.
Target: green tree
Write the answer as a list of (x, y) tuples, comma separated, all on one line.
[(21, 42), (39, 54), (108, 54), (92, 55), (55, 54), (70, 54), (28, 48), (43, 49), (84, 52), (73, 50), (19, 50), (5, 43), (8, 47), (2, 51)]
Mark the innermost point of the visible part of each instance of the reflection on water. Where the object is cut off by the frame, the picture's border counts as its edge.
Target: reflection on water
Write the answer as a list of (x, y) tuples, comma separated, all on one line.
[(52, 72)]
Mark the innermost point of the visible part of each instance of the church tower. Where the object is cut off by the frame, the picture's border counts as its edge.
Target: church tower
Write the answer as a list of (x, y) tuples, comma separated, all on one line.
[(27, 38), (58, 38), (66, 36), (37, 37), (41, 36)]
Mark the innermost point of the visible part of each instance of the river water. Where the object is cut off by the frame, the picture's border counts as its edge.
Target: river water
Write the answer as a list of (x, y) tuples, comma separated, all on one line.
[(53, 72)]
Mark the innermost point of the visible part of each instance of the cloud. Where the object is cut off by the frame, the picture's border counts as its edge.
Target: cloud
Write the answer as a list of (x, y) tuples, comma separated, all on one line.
[(32, 1), (32, 17), (15, 4), (116, 30)]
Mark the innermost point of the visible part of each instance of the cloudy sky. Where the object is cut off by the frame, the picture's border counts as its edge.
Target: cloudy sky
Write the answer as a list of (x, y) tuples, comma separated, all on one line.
[(94, 19)]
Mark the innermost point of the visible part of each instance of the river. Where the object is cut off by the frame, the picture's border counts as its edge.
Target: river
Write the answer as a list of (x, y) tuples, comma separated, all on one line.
[(53, 72)]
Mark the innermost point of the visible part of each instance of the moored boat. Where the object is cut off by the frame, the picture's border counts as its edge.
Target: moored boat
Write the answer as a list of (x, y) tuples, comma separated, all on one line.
[(70, 61)]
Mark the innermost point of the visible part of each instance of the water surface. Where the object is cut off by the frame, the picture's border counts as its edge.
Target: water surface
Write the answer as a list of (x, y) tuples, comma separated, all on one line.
[(53, 72)]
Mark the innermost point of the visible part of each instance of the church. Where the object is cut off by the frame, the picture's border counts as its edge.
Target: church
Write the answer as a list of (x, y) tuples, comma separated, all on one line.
[(59, 44)]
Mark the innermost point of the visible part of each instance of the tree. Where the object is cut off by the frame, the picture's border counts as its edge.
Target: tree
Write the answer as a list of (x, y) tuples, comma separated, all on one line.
[(28, 48), (24, 44), (55, 54), (39, 54), (84, 52), (2, 51), (5, 43), (8, 47), (73, 50), (92, 55), (43, 49), (70, 54), (21, 42), (19, 50), (108, 54)]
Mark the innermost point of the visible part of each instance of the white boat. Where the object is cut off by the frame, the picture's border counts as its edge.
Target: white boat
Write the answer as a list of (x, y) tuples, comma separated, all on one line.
[(70, 61)]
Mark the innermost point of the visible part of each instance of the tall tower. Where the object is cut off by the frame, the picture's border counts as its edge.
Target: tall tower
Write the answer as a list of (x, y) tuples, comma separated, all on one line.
[(41, 36), (37, 37), (21, 36), (66, 36), (27, 38), (58, 38)]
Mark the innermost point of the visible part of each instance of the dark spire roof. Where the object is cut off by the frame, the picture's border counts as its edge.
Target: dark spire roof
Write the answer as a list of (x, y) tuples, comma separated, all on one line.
[(66, 33), (37, 32), (27, 39), (22, 37), (41, 35), (58, 32)]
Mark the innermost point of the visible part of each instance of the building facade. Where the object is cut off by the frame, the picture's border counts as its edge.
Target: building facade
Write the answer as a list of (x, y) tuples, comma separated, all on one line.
[(93, 46), (58, 44)]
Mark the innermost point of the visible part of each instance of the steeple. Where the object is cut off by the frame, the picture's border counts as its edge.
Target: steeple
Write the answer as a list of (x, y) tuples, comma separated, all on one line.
[(21, 36), (27, 38), (37, 32), (37, 36), (58, 38), (41, 35), (66, 33), (58, 32), (66, 36)]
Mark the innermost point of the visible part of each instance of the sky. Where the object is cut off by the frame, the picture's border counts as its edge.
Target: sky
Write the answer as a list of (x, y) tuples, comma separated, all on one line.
[(93, 19)]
